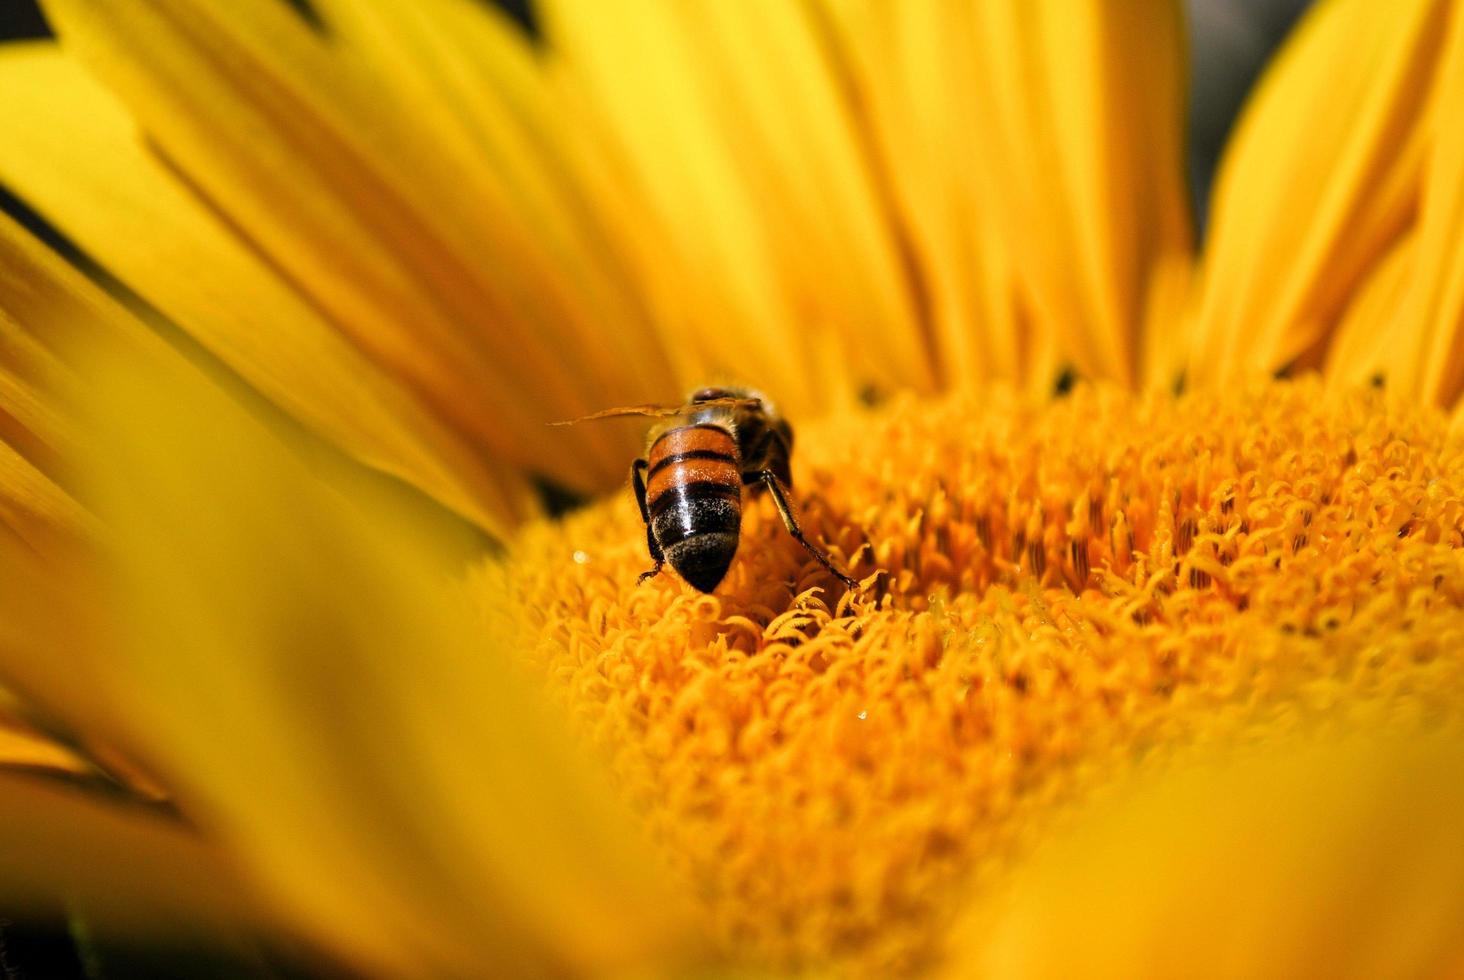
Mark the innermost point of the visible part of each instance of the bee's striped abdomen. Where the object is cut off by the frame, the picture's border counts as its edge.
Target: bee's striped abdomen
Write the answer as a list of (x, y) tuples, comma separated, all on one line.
[(694, 499)]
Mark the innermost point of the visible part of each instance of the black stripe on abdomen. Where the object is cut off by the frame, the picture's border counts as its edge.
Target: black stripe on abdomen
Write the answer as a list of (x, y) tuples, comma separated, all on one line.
[(671, 460), (696, 508), (697, 490)]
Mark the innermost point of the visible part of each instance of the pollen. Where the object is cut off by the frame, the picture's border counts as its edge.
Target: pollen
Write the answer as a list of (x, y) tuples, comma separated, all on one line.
[(1051, 595)]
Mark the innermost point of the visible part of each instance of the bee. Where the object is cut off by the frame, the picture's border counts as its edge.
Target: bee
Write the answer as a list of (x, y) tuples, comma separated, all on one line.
[(689, 484)]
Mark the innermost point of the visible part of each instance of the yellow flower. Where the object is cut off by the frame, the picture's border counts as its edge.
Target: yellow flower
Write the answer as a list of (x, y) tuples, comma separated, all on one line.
[(321, 280)]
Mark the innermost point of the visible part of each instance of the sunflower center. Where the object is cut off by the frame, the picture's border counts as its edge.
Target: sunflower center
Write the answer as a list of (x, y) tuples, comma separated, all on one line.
[(1065, 590)]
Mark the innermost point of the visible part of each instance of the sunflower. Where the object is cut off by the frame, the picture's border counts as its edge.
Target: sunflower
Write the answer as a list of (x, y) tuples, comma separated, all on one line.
[(1154, 665)]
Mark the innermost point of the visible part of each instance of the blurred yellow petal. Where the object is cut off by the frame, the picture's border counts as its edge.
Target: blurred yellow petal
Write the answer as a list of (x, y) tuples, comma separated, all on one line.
[(731, 120), (311, 681), (29, 423), (913, 67), (1165, 345), (1320, 178), (130, 872), (39, 299), (127, 871), (1404, 327), (410, 249), (477, 89), (1078, 114), (34, 506), (56, 644), (1330, 860), (48, 308), (51, 638), (22, 746), (34, 509), (74, 154), (1435, 302), (1373, 340)]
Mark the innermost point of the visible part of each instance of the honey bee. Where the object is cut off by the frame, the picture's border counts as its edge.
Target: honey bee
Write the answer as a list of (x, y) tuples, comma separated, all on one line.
[(689, 484)]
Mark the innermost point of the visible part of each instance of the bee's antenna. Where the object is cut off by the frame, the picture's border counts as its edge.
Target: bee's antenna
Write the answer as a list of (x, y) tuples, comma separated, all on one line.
[(655, 411), (659, 411)]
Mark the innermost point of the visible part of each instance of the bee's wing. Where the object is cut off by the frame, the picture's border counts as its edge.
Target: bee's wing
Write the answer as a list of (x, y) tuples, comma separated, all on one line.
[(659, 411)]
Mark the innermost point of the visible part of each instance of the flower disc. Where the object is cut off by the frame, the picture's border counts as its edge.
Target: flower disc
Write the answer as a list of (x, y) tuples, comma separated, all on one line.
[(1063, 592)]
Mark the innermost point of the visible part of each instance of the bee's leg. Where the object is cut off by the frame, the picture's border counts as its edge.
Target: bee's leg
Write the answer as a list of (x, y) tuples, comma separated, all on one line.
[(638, 484), (780, 498)]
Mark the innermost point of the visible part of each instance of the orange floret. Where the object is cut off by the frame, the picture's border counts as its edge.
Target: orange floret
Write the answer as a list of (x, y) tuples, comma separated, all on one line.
[(1063, 590)]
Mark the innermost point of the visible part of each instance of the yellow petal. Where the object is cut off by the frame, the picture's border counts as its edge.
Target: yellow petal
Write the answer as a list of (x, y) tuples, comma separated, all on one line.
[(309, 677), (1435, 300), (31, 741), (23, 746), (40, 300), (1340, 860), (1078, 113), (732, 123), (410, 248), (1373, 340), (56, 642), (75, 155), (912, 66), (53, 635), (476, 88), (29, 423), (47, 534), (129, 872), (1165, 348), (35, 510), (1319, 179)]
